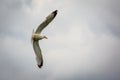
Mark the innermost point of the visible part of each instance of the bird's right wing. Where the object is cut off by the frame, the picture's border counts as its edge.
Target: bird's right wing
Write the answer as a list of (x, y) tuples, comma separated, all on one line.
[(38, 53), (49, 18)]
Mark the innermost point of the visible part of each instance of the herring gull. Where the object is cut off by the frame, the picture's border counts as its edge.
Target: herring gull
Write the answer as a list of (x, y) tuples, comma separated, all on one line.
[(36, 36)]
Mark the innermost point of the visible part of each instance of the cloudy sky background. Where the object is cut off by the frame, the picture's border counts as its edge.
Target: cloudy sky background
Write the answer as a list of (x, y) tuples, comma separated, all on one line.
[(83, 40)]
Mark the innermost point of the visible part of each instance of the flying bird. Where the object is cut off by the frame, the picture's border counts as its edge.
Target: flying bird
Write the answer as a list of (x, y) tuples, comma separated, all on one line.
[(36, 36)]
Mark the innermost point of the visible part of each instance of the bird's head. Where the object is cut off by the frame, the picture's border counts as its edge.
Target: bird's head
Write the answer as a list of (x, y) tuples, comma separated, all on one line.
[(44, 37)]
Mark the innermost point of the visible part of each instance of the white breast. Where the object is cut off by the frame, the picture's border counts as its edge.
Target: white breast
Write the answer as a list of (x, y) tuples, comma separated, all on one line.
[(36, 36)]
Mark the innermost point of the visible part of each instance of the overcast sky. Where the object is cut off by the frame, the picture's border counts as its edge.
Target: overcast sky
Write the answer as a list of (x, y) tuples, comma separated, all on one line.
[(83, 40)]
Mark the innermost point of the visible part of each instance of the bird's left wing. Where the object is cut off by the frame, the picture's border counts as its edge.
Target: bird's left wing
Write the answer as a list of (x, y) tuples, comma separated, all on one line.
[(38, 53), (49, 18)]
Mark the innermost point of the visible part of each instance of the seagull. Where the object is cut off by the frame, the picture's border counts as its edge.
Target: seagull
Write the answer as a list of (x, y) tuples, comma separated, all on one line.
[(36, 36)]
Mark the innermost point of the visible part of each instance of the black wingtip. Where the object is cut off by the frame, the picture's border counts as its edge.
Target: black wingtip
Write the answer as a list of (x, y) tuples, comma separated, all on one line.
[(40, 65), (55, 12)]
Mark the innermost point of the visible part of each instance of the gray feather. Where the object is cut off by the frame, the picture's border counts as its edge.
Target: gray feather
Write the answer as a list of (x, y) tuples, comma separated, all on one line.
[(38, 53), (49, 18)]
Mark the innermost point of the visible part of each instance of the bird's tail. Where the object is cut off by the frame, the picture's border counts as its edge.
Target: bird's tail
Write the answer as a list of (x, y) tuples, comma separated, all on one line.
[(32, 36)]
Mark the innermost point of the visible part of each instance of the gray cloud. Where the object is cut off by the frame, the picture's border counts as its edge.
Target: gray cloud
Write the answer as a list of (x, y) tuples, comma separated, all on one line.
[(83, 40)]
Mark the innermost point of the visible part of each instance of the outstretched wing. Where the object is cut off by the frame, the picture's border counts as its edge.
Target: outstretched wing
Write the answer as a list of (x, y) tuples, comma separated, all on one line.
[(49, 18), (38, 54)]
